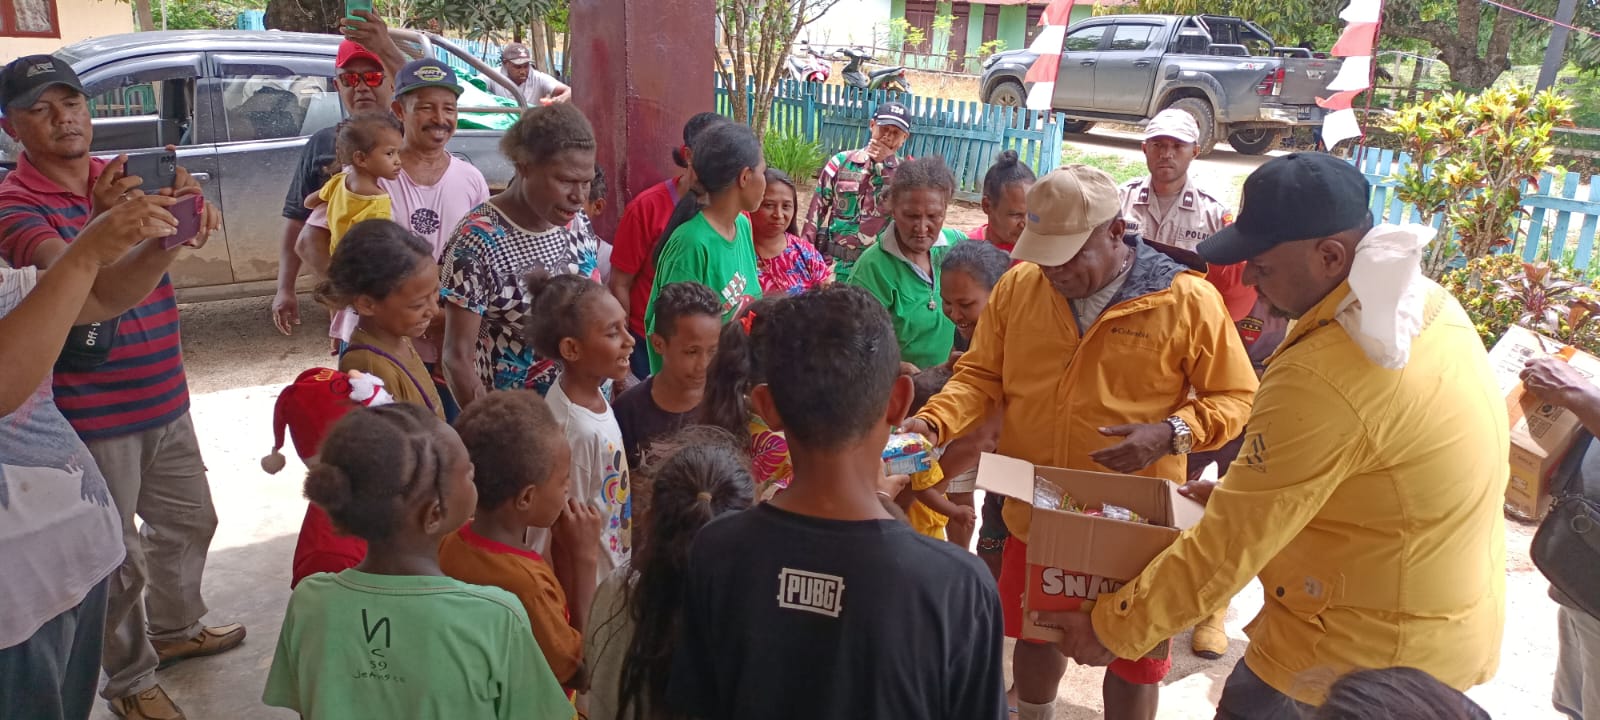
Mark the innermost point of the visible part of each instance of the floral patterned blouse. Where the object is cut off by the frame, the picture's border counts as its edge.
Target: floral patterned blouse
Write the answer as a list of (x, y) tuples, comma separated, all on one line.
[(795, 270)]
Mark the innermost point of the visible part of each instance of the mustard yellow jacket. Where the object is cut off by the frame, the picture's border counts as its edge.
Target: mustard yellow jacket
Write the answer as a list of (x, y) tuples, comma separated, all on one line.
[(1369, 503), (1164, 334)]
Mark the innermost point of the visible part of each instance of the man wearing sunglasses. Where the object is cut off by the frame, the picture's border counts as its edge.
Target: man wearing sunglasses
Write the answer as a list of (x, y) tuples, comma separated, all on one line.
[(363, 87)]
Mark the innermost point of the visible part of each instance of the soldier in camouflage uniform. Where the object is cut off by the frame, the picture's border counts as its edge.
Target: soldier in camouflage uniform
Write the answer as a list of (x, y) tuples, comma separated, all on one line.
[(849, 208)]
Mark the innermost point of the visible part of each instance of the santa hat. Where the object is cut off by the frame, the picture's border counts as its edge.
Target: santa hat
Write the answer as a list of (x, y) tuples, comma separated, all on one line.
[(311, 404)]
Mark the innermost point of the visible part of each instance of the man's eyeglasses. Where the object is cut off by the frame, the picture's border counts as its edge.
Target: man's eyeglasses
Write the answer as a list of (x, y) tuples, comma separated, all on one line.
[(355, 79)]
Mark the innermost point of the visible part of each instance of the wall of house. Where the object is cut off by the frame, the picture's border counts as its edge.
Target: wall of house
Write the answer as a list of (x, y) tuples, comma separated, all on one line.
[(853, 22), (80, 20)]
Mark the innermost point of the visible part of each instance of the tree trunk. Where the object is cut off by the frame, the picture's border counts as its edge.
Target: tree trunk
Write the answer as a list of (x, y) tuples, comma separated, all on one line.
[(142, 14), (538, 43), (317, 16), (566, 54)]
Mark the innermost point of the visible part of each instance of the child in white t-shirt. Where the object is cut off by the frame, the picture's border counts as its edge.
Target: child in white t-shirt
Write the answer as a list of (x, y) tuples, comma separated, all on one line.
[(578, 323)]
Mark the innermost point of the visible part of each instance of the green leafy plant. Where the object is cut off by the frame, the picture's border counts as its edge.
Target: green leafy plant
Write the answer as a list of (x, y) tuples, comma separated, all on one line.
[(796, 156), (1499, 291), (1470, 156), (991, 47)]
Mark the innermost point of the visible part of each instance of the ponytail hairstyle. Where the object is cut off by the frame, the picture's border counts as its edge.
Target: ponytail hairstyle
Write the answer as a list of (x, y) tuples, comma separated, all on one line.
[(692, 130), (693, 477), (1007, 169), (372, 259), (375, 462), (725, 403), (779, 177), (556, 309), (721, 154)]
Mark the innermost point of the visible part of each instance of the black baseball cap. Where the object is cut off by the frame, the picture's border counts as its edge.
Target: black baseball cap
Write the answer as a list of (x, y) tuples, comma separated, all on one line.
[(1294, 197), (26, 78), (894, 114), (426, 73)]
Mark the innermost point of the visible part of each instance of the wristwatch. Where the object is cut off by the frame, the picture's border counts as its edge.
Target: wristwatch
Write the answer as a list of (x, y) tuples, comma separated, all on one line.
[(1182, 436)]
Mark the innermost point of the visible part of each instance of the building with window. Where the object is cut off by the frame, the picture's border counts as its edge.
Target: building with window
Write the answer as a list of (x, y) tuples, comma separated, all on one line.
[(31, 27)]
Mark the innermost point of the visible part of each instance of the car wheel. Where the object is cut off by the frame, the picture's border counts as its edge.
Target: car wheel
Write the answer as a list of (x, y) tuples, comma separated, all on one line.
[(1076, 126), (1008, 93), (1255, 141), (1200, 110)]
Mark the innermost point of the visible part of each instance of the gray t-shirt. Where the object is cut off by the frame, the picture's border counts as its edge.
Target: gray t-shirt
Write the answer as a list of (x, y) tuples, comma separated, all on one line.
[(59, 529), (537, 85), (606, 644)]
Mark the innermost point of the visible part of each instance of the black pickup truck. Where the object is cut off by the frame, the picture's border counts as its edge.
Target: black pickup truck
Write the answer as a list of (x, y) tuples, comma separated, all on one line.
[(1225, 71)]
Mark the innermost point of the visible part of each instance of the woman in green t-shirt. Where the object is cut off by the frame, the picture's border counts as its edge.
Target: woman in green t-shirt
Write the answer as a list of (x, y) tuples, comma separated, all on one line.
[(902, 268), (712, 245)]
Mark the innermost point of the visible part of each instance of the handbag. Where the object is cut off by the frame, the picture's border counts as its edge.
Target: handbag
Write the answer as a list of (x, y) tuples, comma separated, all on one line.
[(1566, 547), (88, 346)]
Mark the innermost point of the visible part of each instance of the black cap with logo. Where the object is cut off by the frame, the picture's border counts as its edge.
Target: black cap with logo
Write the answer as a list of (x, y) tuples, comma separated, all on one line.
[(1294, 197), (893, 114), (26, 78)]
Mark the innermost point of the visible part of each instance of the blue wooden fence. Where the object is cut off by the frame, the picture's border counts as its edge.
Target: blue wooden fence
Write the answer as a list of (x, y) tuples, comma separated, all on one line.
[(967, 134), (1560, 221)]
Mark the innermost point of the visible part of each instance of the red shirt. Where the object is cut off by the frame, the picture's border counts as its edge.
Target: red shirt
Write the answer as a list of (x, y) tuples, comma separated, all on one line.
[(141, 385), (643, 221), (981, 234)]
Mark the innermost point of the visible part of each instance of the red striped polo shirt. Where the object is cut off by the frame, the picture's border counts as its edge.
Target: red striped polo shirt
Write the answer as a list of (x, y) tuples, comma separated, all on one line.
[(141, 385)]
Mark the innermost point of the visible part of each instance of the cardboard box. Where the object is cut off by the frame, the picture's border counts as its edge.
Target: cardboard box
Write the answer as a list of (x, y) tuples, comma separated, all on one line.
[(1074, 558), (1541, 434)]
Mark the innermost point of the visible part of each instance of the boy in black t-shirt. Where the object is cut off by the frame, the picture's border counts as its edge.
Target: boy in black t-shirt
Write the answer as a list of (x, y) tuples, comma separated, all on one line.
[(688, 322), (817, 604)]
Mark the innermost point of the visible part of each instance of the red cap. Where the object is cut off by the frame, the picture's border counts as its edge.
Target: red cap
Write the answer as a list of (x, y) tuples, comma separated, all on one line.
[(350, 51)]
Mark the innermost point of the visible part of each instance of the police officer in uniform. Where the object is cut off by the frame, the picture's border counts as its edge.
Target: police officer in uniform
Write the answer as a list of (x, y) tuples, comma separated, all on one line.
[(850, 206), (1167, 208)]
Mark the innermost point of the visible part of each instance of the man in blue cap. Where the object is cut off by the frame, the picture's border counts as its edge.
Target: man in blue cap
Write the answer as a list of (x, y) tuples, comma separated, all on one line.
[(435, 189)]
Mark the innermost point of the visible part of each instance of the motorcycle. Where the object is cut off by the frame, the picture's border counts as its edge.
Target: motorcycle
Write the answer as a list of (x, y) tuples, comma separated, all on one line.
[(892, 79), (806, 65)]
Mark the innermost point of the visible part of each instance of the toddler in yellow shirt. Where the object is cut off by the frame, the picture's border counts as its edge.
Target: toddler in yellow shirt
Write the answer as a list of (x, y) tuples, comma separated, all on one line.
[(931, 510), (368, 147)]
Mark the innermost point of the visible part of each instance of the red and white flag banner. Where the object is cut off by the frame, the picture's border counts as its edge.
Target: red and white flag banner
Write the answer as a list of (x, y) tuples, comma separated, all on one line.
[(1042, 73), (1356, 46)]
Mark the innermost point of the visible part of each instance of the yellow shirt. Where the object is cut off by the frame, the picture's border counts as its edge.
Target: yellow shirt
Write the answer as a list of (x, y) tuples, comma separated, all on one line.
[(346, 208), (1164, 346), (1369, 503), (924, 519)]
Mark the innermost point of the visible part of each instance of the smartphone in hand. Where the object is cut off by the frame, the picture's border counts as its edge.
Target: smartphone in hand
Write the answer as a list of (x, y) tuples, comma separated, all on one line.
[(351, 6), (156, 171), (188, 210)]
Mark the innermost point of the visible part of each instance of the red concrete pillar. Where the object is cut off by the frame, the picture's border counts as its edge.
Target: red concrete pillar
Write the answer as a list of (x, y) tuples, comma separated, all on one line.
[(640, 69)]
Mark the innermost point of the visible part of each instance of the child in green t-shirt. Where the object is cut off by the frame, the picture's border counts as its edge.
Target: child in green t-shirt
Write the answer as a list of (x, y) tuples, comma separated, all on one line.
[(394, 637), (713, 245)]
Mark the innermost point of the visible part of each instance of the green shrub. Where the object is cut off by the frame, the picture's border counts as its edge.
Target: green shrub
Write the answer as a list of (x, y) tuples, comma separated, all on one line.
[(797, 156), (1499, 291)]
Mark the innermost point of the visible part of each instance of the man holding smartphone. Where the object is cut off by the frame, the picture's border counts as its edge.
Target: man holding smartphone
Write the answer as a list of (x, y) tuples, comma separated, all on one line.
[(132, 408), (364, 87)]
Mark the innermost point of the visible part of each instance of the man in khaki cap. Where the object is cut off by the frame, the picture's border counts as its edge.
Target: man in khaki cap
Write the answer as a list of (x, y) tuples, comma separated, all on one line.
[(1105, 354), (538, 88)]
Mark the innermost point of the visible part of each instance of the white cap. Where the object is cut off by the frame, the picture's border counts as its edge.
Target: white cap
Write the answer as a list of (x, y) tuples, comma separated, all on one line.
[(1175, 124)]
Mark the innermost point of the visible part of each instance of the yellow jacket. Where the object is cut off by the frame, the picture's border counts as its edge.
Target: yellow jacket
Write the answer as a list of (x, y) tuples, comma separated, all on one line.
[(1368, 501), (1164, 334)]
